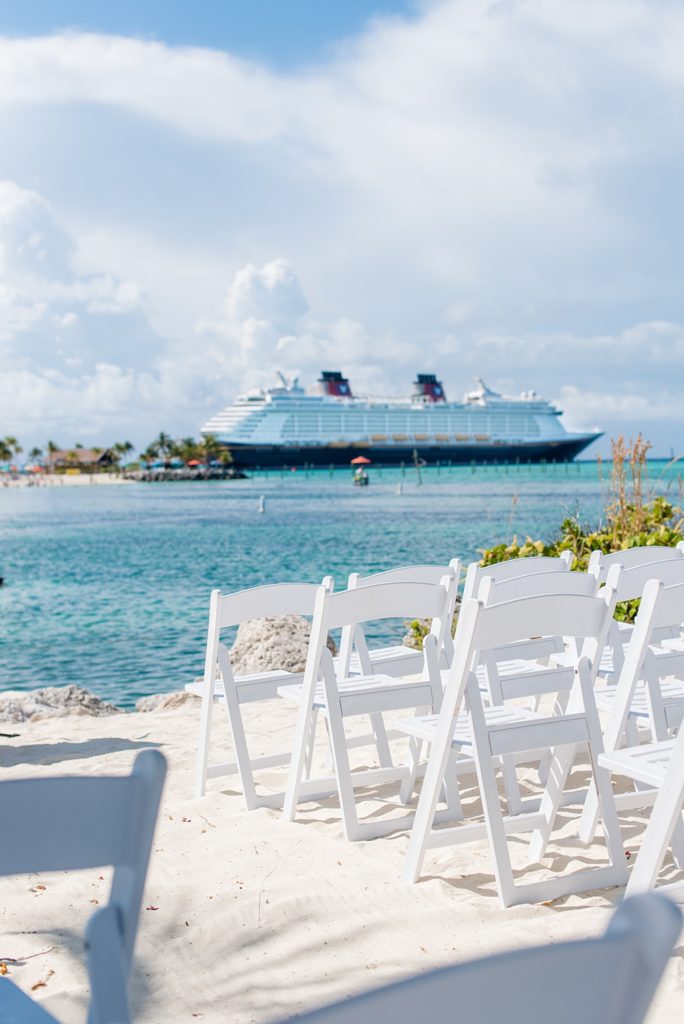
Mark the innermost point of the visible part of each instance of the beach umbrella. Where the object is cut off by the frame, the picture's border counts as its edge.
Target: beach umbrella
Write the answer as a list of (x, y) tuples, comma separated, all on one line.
[(193, 462), (360, 460)]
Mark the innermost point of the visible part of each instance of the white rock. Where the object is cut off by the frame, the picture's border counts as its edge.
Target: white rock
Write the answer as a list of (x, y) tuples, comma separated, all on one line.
[(164, 701), (52, 702), (262, 645)]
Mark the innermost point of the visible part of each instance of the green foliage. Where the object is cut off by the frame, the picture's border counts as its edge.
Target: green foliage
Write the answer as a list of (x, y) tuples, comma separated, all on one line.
[(632, 519), (659, 522)]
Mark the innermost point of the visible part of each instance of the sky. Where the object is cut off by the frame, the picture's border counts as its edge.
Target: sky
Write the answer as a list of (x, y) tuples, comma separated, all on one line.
[(193, 196)]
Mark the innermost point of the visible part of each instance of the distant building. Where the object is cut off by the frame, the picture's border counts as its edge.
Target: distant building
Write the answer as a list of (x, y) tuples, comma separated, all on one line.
[(90, 459)]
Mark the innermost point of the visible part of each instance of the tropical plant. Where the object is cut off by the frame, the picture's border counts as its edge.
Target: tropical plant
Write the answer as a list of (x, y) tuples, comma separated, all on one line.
[(210, 447), (634, 517)]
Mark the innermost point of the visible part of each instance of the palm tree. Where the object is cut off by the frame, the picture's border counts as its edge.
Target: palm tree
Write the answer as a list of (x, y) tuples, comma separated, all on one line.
[(5, 450), (52, 449), (150, 453), (210, 447), (187, 449), (164, 445), (35, 454), (14, 446)]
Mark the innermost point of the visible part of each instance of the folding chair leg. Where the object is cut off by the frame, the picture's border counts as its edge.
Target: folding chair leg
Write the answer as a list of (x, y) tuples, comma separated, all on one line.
[(381, 741), (345, 787), (408, 785), (452, 790), (203, 742), (544, 766), (559, 769), (677, 846), (496, 832), (310, 743), (240, 745), (586, 829), (511, 785), (666, 816)]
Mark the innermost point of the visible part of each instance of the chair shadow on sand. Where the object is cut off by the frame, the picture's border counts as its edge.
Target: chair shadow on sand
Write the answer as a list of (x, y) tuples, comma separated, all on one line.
[(56, 753)]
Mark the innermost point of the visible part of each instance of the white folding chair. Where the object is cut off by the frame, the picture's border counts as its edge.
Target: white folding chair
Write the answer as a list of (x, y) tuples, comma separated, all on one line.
[(514, 663), (488, 734), (220, 685), (71, 823), (396, 660), (643, 694), (519, 569), (337, 698), (607, 980), (660, 766), (633, 562)]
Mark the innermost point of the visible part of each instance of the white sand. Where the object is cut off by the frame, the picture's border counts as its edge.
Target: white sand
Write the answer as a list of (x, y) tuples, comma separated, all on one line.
[(62, 479), (255, 919)]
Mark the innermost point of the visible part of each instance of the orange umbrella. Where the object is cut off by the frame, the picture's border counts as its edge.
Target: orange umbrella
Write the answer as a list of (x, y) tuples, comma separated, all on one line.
[(360, 460)]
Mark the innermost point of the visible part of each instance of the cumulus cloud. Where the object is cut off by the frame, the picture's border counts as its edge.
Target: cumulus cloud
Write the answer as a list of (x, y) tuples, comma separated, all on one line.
[(481, 187)]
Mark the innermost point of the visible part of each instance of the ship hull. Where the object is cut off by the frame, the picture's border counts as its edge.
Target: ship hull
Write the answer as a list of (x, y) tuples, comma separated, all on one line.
[(261, 456)]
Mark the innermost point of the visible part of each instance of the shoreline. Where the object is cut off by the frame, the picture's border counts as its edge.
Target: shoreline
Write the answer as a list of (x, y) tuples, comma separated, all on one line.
[(40, 480)]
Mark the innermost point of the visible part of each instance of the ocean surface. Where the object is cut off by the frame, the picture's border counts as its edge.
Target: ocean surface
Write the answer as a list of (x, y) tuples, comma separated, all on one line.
[(108, 587)]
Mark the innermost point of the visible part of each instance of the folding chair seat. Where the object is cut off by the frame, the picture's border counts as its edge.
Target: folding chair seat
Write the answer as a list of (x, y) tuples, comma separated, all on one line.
[(337, 698), (220, 685), (642, 695), (71, 823), (482, 628), (397, 659), (659, 766)]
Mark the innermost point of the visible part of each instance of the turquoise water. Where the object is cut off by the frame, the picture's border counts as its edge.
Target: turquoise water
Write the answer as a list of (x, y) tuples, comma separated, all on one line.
[(108, 587)]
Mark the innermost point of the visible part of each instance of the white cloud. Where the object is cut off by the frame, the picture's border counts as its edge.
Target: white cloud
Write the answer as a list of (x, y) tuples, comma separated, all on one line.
[(482, 187)]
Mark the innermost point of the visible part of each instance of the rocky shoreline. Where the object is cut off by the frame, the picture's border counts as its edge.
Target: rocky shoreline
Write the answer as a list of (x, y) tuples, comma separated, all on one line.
[(20, 706), (261, 645)]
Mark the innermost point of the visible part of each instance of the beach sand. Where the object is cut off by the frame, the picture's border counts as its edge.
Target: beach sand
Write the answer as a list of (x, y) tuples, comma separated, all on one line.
[(63, 479), (248, 918)]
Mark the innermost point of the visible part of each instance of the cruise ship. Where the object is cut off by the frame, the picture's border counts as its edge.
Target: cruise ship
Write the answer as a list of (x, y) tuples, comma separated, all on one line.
[(287, 426)]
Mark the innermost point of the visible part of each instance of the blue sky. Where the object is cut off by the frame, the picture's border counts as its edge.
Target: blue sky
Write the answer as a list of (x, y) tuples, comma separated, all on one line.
[(282, 33), (453, 186)]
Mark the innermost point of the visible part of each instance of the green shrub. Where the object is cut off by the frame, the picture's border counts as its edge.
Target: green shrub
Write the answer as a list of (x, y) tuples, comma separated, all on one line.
[(631, 519)]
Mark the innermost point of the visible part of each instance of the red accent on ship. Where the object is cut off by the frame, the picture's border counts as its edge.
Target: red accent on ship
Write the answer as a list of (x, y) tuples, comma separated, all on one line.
[(428, 388), (333, 383)]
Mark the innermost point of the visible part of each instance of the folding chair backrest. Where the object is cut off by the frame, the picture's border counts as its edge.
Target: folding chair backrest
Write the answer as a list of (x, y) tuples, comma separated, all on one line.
[(266, 602), (633, 579), (511, 569), (571, 614), (70, 823), (614, 978), (386, 601), (631, 558), (350, 609), (226, 610), (406, 574), (481, 629), (536, 585)]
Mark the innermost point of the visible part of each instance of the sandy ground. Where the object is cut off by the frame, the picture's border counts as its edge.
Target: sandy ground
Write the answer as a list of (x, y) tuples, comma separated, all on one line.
[(248, 918), (62, 480)]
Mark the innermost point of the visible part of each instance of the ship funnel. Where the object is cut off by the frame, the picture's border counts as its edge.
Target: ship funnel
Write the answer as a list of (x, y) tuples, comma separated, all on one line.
[(333, 383), (427, 388)]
